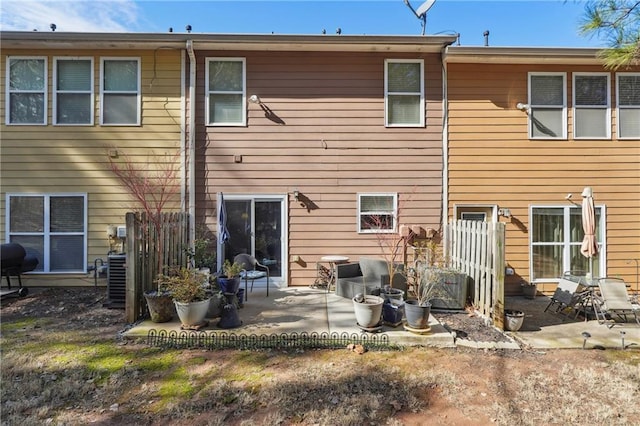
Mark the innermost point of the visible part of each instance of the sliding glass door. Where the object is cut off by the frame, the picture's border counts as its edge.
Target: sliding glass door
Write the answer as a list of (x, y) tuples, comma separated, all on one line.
[(255, 227)]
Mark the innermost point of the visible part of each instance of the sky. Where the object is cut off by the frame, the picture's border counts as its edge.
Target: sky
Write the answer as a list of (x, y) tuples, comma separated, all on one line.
[(545, 23)]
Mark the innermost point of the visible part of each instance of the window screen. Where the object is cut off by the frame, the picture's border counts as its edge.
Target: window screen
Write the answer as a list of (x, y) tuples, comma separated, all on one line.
[(27, 90), (547, 99), (73, 91), (377, 212), (120, 91), (404, 93), (629, 105), (591, 106), (226, 92)]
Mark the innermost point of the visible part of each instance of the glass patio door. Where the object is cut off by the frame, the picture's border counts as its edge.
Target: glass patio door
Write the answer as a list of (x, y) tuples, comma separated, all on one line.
[(255, 227)]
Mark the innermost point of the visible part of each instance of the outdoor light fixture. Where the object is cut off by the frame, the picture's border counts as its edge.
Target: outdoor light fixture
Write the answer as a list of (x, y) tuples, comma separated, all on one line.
[(255, 99), (296, 195), (504, 212), (522, 107)]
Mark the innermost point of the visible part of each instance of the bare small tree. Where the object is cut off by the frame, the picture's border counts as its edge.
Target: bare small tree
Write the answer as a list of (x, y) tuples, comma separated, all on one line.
[(153, 183)]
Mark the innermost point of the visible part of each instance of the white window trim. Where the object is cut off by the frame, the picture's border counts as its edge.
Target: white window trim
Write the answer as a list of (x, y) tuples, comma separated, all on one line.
[(386, 92), (608, 106), (394, 213), (8, 93), (138, 92), (46, 234), (618, 107), (56, 91), (460, 208), (242, 92), (564, 105), (566, 243)]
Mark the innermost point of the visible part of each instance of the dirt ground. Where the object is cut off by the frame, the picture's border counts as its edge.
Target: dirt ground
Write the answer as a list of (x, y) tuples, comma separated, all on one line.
[(314, 387)]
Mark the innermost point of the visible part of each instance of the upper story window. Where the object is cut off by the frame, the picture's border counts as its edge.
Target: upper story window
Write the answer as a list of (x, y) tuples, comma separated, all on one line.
[(404, 93), (120, 91), (73, 91), (26, 100), (52, 227), (548, 106), (556, 237), (225, 92), (591, 112), (377, 212), (628, 88)]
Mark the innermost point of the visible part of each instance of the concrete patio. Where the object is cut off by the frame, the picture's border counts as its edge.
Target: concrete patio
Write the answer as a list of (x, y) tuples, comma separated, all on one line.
[(308, 310)]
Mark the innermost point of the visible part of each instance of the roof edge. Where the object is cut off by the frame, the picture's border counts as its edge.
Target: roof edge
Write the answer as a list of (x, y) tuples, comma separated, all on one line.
[(523, 55), (71, 40)]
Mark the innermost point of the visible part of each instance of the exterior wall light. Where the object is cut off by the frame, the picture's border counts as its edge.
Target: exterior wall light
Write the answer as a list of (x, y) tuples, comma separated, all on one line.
[(255, 99), (523, 107), (504, 212)]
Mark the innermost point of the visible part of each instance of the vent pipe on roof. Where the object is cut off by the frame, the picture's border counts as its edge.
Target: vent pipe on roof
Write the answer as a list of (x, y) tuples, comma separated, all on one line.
[(486, 37)]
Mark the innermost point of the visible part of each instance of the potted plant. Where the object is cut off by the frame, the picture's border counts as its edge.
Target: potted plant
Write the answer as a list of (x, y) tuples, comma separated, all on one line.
[(202, 255), (423, 281), (160, 301), (229, 281), (187, 287), (368, 309)]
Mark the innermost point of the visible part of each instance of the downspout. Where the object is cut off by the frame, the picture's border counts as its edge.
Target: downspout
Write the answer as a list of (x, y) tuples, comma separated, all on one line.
[(445, 143), (183, 133), (192, 138)]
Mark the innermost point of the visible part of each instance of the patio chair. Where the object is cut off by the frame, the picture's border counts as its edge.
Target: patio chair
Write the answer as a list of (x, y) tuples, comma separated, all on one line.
[(614, 300), (569, 295), (250, 271)]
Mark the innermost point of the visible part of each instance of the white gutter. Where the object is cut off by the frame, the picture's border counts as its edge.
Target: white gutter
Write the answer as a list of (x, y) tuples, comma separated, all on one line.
[(192, 137)]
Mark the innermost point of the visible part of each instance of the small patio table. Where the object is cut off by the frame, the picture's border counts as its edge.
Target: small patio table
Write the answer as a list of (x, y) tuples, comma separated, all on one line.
[(332, 260)]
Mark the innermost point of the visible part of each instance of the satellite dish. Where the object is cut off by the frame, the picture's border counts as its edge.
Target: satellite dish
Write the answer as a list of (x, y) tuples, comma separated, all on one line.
[(421, 11)]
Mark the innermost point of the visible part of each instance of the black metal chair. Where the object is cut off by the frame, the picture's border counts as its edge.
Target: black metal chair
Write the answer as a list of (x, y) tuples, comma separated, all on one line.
[(250, 271)]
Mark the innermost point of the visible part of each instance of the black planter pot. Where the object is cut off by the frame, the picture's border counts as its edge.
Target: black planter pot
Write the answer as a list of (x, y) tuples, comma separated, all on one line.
[(392, 311)]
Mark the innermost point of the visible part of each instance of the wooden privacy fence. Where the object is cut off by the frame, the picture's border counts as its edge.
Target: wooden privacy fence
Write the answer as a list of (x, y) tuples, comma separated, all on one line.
[(477, 249), (152, 243)]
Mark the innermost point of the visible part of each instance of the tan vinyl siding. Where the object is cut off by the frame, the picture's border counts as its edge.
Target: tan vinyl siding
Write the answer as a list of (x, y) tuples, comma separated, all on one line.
[(56, 159), (327, 139), (492, 161)]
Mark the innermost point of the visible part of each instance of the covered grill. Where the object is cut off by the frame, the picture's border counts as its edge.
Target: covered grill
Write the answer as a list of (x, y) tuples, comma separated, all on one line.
[(13, 262)]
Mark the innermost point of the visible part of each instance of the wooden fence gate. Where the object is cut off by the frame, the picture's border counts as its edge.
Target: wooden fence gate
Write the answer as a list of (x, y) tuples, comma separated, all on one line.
[(146, 249), (477, 249)]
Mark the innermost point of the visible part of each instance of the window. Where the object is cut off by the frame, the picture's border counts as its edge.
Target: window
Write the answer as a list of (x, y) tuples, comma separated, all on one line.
[(548, 106), (480, 217), (591, 116), (52, 227), (73, 91), (404, 93), (26, 102), (120, 91), (225, 92), (628, 86), (377, 212), (556, 238)]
